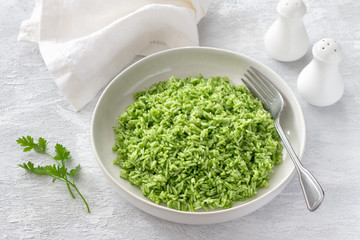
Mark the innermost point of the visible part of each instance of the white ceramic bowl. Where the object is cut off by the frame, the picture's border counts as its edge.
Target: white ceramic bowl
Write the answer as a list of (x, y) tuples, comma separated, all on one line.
[(183, 62)]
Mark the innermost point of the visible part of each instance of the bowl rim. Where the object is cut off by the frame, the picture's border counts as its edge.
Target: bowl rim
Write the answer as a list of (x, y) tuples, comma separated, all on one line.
[(148, 202)]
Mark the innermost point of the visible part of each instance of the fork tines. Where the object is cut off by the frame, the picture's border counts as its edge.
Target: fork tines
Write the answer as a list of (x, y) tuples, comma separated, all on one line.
[(260, 86)]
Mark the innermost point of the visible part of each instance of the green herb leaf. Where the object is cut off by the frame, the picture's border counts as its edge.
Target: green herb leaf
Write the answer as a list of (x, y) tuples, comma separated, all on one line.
[(42, 143), (74, 171), (29, 144), (26, 142), (61, 153), (57, 171), (37, 170)]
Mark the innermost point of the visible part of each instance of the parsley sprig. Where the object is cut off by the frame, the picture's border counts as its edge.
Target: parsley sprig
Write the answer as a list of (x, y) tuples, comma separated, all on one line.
[(57, 171)]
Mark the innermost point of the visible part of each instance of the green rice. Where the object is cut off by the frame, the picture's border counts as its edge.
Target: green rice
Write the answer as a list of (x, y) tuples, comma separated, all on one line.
[(196, 143)]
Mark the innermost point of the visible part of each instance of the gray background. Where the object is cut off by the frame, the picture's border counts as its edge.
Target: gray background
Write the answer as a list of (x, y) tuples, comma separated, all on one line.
[(30, 103)]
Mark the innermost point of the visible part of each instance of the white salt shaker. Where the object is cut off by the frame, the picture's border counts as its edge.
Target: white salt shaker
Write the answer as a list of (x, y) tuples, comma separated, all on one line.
[(287, 39), (320, 82)]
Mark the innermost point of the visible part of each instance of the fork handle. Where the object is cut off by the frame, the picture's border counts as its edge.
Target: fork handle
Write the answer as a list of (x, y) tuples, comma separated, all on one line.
[(312, 190)]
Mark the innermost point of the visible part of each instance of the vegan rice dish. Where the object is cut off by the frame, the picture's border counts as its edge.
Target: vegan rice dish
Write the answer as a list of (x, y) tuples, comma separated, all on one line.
[(196, 143)]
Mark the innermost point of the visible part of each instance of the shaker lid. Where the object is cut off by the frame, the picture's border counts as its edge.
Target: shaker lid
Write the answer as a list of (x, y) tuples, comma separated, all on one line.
[(327, 50), (291, 8)]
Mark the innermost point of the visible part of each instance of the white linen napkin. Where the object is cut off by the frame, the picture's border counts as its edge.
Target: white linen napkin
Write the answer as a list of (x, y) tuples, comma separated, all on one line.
[(85, 43)]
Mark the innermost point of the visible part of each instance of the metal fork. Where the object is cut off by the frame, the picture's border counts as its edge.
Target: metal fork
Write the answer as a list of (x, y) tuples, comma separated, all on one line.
[(273, 102)]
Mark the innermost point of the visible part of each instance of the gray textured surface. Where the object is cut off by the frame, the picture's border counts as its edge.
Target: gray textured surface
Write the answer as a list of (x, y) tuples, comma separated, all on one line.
[(30, 103)]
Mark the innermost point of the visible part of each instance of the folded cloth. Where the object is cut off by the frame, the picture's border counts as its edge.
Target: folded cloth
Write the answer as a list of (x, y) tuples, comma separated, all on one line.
[(85, 43)]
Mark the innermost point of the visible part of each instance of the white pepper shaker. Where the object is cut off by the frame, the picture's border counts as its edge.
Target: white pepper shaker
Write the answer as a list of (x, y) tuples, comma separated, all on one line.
[(287, 39), (320, 82)]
